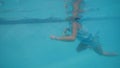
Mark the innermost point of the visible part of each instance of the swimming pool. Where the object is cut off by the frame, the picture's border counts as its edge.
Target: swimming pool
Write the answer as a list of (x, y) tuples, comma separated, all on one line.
[(25, 27)]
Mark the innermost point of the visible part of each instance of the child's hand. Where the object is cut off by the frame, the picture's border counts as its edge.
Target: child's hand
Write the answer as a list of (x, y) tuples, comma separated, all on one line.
[(53, 37)]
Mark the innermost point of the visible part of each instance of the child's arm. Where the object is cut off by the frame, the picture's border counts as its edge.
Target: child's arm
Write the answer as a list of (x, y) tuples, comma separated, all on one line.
[(76, 8), (72, 37)]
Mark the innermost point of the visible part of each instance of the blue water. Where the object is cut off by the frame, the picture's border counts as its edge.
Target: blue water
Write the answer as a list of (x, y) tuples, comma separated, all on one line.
[(25, 42)]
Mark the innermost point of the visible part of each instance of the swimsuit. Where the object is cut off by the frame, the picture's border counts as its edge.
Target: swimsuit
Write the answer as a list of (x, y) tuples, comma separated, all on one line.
[(85, 37), (88, 38)]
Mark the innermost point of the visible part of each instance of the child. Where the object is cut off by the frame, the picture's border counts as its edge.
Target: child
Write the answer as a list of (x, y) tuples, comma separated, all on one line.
[(88, 40)]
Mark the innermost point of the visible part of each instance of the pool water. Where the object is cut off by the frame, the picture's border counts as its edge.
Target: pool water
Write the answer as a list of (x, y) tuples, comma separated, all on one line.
[(26, 43)]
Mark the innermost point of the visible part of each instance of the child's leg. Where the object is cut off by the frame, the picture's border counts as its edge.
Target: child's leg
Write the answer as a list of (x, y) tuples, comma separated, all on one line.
[(99, 50), (81, 47)]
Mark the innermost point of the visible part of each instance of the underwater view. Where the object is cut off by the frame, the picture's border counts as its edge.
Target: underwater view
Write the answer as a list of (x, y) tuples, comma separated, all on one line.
[(32, 34)]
